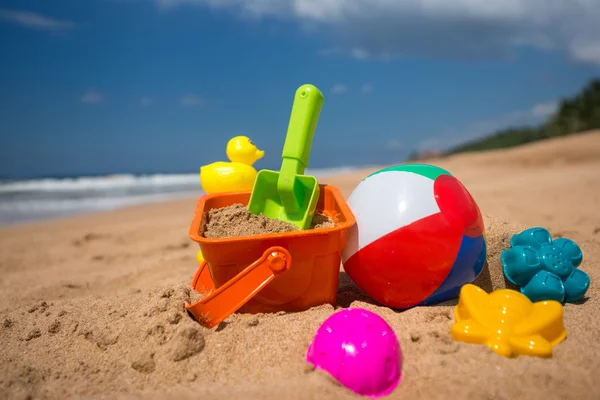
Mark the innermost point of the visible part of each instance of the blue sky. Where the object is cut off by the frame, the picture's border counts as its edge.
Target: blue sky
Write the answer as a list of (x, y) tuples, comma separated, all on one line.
[(145, 86)]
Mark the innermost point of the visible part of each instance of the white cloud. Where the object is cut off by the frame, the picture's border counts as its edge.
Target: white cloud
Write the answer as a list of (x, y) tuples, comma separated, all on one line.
[(359, 53), (338, 88), (92, 96), (356, 52), (367, 88), (394, 144), (190, 100), (35, 21), (146, 101), (544, 110), (471, 29), (587, 51), (456, 135)]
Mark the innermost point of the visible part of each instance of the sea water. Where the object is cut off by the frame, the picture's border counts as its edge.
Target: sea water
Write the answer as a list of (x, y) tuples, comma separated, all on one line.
[(36, 199)]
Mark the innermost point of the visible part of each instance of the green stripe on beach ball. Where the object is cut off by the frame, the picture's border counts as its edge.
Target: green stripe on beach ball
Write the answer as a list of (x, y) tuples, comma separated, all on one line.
[(429, 171)]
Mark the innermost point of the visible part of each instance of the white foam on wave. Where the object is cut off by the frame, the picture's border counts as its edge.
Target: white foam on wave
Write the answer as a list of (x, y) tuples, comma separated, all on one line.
[(99, 182)]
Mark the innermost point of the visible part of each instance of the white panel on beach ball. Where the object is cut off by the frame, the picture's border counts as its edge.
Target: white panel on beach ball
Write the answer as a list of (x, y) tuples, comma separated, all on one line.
[(388, 201)]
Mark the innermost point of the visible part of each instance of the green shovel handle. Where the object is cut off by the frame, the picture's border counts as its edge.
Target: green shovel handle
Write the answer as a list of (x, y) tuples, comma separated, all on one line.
[(308, 101)]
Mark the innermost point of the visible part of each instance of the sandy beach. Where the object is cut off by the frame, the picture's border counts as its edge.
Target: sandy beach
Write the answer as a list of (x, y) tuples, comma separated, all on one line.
[(92, 305)]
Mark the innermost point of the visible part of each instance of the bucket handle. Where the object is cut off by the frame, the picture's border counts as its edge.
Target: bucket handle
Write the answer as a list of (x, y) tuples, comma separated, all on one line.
[(220, 303)]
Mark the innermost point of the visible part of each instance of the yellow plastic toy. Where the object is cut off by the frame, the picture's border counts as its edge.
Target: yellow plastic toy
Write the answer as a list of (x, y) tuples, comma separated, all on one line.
[(238, 175), (508, 322)]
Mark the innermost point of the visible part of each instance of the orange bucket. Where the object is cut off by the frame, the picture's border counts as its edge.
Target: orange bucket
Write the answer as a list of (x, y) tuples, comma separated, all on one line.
[(291, 271)]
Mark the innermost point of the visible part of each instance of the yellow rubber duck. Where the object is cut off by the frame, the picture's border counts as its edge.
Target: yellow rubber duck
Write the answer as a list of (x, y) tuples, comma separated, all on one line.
[(238, 175)]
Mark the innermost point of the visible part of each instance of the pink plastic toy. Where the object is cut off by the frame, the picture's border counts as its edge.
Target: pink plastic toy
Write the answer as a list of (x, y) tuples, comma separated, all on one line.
[(360, 350)]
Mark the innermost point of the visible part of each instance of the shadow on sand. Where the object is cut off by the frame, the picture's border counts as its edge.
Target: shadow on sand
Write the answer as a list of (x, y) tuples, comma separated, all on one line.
[(348, 291)]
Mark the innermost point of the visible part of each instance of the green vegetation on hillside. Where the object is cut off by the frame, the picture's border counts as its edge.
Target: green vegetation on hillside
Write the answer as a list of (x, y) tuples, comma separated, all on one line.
[(576, 114)]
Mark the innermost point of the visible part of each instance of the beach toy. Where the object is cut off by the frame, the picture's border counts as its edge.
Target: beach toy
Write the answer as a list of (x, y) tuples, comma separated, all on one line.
[(508, 322), (545, 269), (289, 195), (291, 271), (418, 237), (238, 175), (360, 350)]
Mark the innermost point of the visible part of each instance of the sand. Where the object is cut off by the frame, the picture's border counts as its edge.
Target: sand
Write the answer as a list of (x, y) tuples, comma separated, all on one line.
[(92, 306), (236, 220)]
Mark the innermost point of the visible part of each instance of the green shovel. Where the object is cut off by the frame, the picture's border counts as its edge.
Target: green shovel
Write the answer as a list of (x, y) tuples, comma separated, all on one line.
[(289, 195)]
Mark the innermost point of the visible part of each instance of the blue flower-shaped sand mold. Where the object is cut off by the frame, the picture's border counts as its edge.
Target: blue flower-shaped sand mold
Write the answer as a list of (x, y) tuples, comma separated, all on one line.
[(545, 269)]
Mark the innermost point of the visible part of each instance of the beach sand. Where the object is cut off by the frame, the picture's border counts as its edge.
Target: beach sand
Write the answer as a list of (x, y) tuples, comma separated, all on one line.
[(92, 306)]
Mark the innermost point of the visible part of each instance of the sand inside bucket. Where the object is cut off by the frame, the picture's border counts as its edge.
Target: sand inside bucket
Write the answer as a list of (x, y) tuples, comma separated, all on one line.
[(236, 220)]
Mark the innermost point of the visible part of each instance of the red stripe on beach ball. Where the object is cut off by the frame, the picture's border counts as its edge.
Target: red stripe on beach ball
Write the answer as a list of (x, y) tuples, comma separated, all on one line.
[(457, 204), (404, 267)]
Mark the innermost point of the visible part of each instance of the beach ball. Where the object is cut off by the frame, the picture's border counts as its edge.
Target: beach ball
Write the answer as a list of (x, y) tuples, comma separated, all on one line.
[(360, 350), (418, 237)]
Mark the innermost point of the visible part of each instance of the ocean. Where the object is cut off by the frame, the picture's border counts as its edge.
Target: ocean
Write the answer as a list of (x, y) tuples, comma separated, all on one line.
[(38, 199)]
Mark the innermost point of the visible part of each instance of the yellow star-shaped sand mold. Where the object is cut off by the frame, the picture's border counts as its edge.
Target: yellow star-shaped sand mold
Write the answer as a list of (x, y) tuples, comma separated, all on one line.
[(508, 322)]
